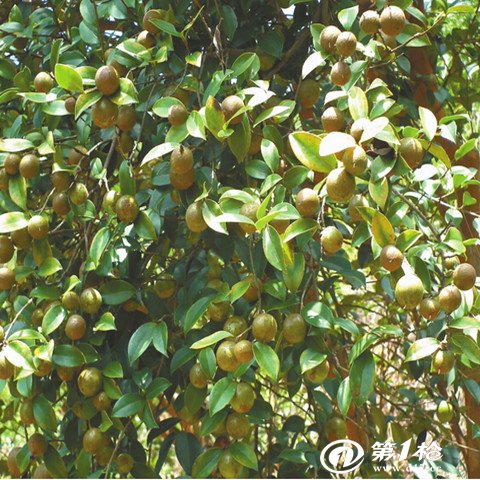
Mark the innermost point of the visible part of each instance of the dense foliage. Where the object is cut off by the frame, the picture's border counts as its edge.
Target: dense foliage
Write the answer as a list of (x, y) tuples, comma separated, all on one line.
[(232, 232)]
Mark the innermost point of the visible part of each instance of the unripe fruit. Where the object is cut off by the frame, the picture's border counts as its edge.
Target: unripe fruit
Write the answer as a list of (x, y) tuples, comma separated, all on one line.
[(12, 464), (70, 300), (340, 185), (21, 239), (38, 227), (149, 15), (78, 194), (60, 180), (355, 161), (182, 181), (109, 200), (443, 361), (430, 308), (237, 425), (103, 456), (90, 381), (450, 298), (340, 74), (392, 20), (75, 327), (6, 368), (318, 373), (60, 203), (235, 325), (355, 202), (254, 291), (146, 39), (93, 440), (90, 300), (165, 286), (230, 106), (37, 445), (7, 278), (127, 117), (328, 38), (294, 328), (101, 402), (452, 261), (228, 466), (333, 120), (391, 258), (307, 202), (411, 151), (70, 103), (331, 240), (264, 327), (26, 412), (12, 163), (181, 160), (369, 22), (346, 44), (177, 114), (464, 276), (43, 82), (197, 378), (29, 166), (308, 93), (244, 398), (445, 411), (6, 249), (126, 208), (243, 351), (409, 291), (249, 210), (76, 154), (335, 429), (107, 80), (225, 356), (65, 373), (124, 463), (194, 218), (104, 113)]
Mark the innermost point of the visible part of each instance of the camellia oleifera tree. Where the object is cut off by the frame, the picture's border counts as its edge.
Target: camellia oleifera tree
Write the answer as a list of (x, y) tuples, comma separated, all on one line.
[(233, 232)]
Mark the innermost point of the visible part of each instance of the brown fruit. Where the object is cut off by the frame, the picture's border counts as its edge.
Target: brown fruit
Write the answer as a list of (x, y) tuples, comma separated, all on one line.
[(181, 160), (37, 445), (340, 185), (328, 38), (294, 328), (182, 181), (194, 218), (409, 291), (12, 163), (346, 44), (197, 378), (70, 103), (76, 155), (107, 80), (124, 463), (391, 258), (236, 325), (38, 227), (411, 151), (70, 300), (340, 74), (126, 208), (370, 22), (6, 368), (318, 373), (243, 351), (75, 327), (42, 367), (264, 327), (355, 202), (26, 412), (230, 106), (249, 210), (244, 398), (392, 20), (225, 356), (93, 440), (254, 291), (256, 142), (6, 249), (41, 471), (355, 161), (331, 240), (450, 298), (90, 381), (60, 180), (218, 312), (21, 239), (146, 39), (307, 202), (228, 466), (7, 278), (280, 225), (29, 166), (451, 262), (3, 180), (65, 373), (177, 114), (464, 276), (103, 456), (12, 464), (104, 113), (335, 429), (333, 120), (101, 402), (60, 203), (443, 361), (90, 300), (127, 117), (237, 425), (78, 194), (308, 93), (43, 82), (149, 15), (429, 308)]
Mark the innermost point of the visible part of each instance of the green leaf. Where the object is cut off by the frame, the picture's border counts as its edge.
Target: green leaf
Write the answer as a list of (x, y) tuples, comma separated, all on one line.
[(214, 117), (68, 356), (407, 239), (362, 377), (211, 339), (44, 414), (239, 140), (272, 247), (197, 310), (127, 180), (68, 78), (208, 362), (382, 230), (310, 359), (159, 151), (12, 221), (293, 273), (160, 338), (379, 192), (113, 370), (145, 227), (244, 454), (128, 405), (466, 148), (306, 147), (140, 341), (347, 17), (187, 449), (465, 323), (206, 463), (165, 26), (85, 101), (344, 396), (49, 266), (437, 151), (53, 319), (429, 122), (467, 346), (157, 387), (54, 463), (14, 145), (422, 348), (126, 94), (357, 102), (97, 247), (335, 142), (221, 394), (106, 323), (116, 292), (267, 360), (19, 354), (17, 189)]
